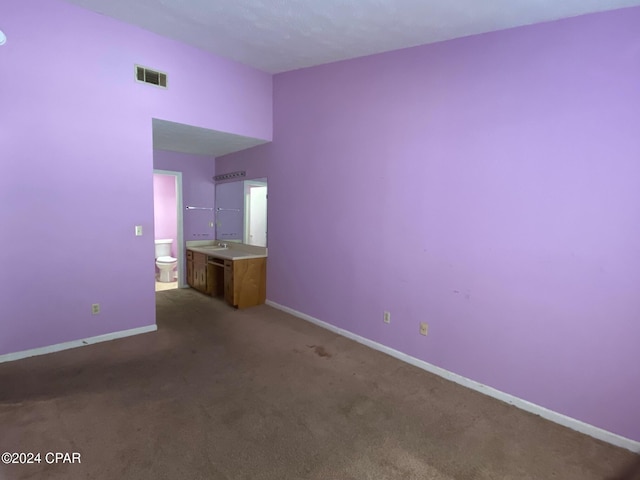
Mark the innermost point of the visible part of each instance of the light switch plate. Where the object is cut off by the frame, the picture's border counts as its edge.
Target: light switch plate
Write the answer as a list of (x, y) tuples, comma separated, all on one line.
[(138, 230)]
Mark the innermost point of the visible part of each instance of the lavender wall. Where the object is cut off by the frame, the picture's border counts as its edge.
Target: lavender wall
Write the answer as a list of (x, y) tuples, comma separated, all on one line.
[(487, 185), (165, 216), (76, 150), (197, 190)]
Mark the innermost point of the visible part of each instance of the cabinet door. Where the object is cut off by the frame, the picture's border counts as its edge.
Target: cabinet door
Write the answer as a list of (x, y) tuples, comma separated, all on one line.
[(202, 278), (249, 278), (200, 271)]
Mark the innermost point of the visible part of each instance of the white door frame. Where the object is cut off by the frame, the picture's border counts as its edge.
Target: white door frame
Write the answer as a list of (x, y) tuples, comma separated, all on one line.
[(180, 247)]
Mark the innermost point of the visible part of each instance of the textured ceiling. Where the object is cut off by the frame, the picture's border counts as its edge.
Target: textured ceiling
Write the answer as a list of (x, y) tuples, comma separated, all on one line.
[(178, 137), (281, 35)]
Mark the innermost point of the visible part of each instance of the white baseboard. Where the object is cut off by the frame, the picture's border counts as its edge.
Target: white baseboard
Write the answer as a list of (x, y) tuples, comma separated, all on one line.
[(9, 357), (555, 417)]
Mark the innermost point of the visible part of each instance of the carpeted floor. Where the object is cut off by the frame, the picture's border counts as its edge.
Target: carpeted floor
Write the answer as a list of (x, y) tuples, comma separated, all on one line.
[(258, 394)]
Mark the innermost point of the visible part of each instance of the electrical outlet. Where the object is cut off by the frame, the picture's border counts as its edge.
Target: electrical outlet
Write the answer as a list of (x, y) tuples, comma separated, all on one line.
[(95, 308), (387, 317), (424, 328)]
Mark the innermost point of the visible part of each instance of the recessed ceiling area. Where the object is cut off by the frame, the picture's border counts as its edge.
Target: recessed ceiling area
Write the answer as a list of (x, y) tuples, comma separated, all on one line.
[(178, 137), (280, 35)]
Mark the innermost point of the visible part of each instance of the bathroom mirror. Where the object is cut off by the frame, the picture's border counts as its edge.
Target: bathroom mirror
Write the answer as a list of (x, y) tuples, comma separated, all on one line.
[(241, 212)]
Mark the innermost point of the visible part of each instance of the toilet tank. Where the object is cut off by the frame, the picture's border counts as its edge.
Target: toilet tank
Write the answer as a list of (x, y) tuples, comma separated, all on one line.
[(163, 247)]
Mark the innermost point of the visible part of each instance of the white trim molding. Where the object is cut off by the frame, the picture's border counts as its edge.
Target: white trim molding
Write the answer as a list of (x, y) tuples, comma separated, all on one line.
[(10, 357), (555, 417)]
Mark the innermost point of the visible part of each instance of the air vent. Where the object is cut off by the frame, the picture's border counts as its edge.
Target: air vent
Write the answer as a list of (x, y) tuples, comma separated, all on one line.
[(154, 77)]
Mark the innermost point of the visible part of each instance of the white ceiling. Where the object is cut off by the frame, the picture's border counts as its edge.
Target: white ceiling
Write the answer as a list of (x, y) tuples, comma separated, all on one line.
[(281, 35), (178, 137)]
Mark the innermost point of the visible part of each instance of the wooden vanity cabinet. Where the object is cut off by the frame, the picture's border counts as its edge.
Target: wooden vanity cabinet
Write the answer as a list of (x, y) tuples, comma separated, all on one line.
[(242, 282)]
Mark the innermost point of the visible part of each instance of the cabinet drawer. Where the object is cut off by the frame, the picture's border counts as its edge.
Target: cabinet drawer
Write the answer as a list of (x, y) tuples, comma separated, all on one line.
[(189, 255)]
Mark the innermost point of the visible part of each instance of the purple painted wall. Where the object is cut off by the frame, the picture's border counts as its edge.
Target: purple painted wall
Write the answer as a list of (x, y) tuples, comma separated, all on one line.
[(488, 186), (197, 190), (76, 152), (165, 216)]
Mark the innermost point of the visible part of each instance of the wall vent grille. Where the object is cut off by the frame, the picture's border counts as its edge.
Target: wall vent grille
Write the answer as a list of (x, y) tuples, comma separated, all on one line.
[(227, 176), (153, 77)]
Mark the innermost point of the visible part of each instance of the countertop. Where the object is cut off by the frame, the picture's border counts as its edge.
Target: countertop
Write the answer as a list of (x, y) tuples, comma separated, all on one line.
[(226, 253)]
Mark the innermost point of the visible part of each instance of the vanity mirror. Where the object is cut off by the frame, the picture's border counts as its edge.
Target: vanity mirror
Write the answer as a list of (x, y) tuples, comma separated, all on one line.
[(241, 212)]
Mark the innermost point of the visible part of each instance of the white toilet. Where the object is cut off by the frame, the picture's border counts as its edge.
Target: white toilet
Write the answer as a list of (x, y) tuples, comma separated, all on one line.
[(164, 261)]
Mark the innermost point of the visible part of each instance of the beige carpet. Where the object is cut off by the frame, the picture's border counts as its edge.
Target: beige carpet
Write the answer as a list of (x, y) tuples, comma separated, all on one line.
[(258, 394)]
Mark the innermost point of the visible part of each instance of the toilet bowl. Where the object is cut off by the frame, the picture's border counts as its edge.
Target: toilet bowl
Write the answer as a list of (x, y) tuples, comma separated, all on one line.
[(164, 261), (166, 265)]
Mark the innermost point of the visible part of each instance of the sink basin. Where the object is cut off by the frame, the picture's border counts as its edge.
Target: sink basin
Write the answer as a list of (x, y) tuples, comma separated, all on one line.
[(214, 248)]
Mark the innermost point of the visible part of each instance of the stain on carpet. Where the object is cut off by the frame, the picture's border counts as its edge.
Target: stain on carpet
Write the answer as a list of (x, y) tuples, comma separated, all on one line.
[(320, 351)]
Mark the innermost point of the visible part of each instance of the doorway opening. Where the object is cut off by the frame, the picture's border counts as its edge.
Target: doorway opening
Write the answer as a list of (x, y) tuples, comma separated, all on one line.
[(255, 212), (168, 230)]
